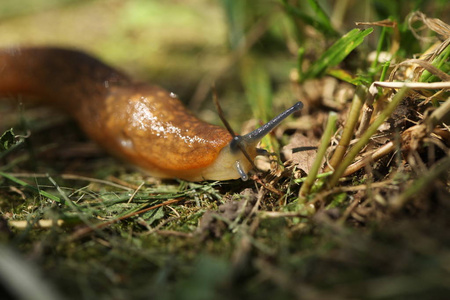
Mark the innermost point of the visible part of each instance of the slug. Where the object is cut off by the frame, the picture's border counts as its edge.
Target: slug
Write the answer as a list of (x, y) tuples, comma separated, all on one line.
[(138, 122)]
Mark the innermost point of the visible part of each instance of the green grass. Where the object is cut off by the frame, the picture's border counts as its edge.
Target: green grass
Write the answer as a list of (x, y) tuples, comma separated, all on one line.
[(78, 224)]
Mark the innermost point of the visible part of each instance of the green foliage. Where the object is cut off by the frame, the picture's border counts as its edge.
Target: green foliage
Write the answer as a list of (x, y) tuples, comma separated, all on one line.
[(258, 88), (318, 19), (441, 62), (336, 53), (30, 187)]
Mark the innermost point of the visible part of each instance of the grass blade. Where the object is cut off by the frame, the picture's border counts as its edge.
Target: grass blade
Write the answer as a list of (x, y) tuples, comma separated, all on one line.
[(329, 131), (30, 187), (337, 52), (320, 21)]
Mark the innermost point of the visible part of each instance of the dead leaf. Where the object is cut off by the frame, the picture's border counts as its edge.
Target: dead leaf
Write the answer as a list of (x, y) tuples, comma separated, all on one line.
[(301, 150)]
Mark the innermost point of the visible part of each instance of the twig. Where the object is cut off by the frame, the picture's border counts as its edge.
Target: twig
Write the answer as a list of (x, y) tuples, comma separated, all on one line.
[(72, 177), (380, 152), (135, 192), (410, 85), (279, 214), (86, 230), (340, 189)]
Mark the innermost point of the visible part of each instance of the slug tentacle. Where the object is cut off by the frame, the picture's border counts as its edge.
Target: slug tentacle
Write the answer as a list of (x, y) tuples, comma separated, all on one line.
[(253, 138), (256, 135), (246, 144), (241, 171)]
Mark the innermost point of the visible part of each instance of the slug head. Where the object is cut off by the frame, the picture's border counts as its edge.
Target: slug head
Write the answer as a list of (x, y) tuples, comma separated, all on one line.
[(241, 151)]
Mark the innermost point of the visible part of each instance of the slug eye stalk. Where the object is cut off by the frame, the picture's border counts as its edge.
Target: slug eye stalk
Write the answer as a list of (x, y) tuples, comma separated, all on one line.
[(249, 141), (252, 138)]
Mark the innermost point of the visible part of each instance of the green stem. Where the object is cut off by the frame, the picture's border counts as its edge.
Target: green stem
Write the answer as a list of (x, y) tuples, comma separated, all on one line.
[(326, 137), (340, 169), (379, 46), (349, 129), (301, 54)]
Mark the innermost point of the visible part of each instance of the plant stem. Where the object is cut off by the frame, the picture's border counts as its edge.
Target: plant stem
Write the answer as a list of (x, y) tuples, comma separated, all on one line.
[(326, 137), (349, 129), (340, 169)]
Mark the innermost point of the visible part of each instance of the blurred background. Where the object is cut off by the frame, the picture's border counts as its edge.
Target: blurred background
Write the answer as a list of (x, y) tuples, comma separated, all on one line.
[(247, 48)]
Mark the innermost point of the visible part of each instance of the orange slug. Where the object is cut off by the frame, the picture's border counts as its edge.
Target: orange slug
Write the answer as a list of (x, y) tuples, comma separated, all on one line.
[(141, 123)]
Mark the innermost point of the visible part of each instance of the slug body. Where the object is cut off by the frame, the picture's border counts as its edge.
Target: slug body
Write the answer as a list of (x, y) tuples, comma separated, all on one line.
[(141, 123)]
